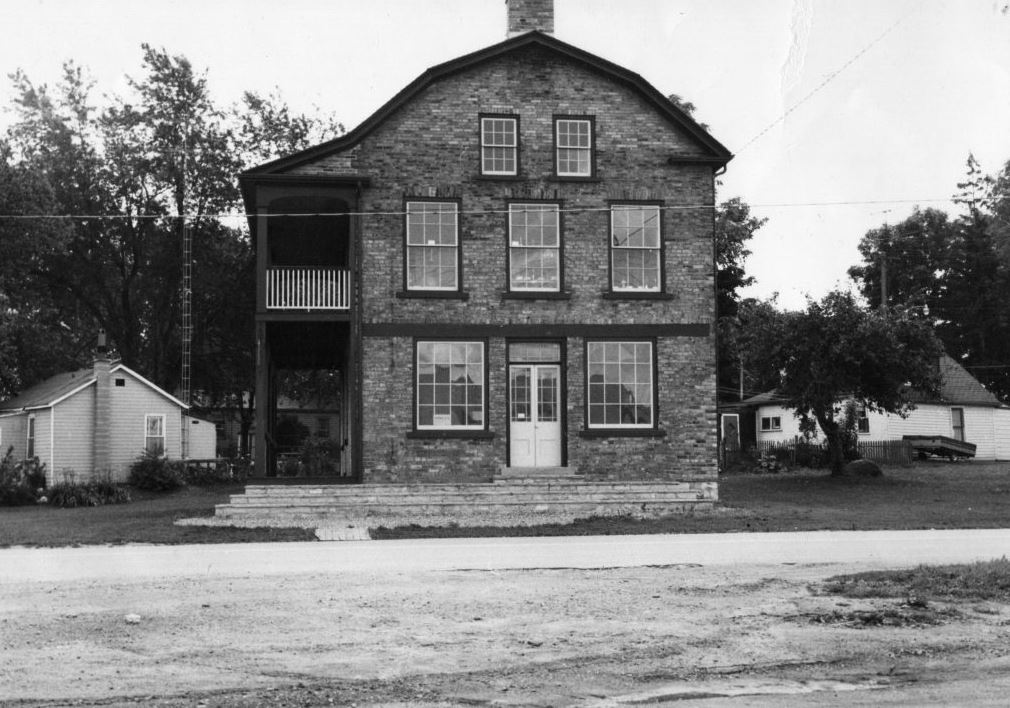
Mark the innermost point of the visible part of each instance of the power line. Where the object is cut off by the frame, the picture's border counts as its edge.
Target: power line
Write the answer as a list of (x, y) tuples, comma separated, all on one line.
[(830, 77), (464, 212)]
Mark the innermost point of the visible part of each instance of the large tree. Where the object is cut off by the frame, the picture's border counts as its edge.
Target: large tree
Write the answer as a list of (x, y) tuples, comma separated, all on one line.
[(956, 270), (837, 351)]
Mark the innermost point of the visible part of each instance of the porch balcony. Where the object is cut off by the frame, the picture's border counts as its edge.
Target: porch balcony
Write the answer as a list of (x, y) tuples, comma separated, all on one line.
[(308, 288)]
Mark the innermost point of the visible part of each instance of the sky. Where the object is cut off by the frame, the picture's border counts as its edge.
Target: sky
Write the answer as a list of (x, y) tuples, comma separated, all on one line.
[(842, 114)]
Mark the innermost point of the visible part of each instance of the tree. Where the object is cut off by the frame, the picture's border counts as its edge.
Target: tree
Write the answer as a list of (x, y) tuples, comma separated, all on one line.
[(836, 351), (954, 270)]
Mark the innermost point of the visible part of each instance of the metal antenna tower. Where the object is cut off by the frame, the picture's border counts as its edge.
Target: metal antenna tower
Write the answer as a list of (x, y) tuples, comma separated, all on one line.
[(187, 309)]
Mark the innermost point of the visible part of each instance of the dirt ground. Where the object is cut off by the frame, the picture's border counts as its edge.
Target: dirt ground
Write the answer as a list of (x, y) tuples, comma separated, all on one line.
[(743, 635)]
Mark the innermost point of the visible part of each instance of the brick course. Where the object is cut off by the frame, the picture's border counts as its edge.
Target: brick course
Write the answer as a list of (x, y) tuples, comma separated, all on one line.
[(429, 147)]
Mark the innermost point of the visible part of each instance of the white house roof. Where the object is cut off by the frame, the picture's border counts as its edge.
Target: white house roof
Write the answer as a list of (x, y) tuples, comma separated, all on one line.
[(62, 386)]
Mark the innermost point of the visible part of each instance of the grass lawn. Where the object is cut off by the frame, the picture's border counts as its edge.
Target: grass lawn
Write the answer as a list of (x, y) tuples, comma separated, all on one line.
[(147, 519), (927, 495)]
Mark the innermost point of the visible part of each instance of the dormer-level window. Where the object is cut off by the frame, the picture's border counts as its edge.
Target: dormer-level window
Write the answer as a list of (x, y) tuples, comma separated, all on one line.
[(499, 145), (432, 245), (573, 144), (635, 248)]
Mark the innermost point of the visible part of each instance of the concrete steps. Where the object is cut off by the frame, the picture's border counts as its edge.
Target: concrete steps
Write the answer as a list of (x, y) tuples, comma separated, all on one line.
[(519, 500)]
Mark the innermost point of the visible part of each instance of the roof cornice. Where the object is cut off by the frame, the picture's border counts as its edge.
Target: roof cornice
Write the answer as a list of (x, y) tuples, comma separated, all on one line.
[(719, 155)]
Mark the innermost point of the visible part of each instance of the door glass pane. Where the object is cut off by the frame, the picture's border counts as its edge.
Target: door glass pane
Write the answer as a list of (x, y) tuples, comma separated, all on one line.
[(547, 394), (519, 393)]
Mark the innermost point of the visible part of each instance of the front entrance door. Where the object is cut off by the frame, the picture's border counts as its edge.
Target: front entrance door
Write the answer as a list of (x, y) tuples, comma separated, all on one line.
[(535, 415)]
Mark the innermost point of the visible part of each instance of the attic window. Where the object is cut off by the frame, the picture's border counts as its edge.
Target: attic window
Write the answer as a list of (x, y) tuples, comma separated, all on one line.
[(573, 146), (499, 145), (121, 382)]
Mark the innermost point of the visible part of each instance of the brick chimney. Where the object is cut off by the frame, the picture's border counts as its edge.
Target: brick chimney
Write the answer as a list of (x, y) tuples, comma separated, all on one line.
[(102, 448), (528, 15)]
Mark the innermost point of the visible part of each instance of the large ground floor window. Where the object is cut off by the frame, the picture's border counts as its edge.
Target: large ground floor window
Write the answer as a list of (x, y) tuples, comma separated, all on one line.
[(620, 381), (450, 385)]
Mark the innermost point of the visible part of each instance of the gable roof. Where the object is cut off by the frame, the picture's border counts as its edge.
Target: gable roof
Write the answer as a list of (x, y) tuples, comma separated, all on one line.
[(717, 154), (957, 387), (62, 386)]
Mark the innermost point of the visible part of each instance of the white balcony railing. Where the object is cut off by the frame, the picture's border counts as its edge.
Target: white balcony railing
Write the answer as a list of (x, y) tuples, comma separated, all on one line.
[(308, 289)]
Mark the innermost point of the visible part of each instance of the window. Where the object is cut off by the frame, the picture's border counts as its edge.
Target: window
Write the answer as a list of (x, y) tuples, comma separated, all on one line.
[(432, 246), (499, 146), (771, 423), (635, 254), (573, 140), (862, 420), (120, 383), (450, 386), (620, 382), (154, 434), (957, 423), (534, 248), (30, 442)]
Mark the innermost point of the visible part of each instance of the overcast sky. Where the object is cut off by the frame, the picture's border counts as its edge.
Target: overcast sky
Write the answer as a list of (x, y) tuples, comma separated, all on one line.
[(883, 99)]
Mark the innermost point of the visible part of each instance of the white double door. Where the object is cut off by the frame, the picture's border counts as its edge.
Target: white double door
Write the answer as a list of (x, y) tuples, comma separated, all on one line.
[(535, 415)]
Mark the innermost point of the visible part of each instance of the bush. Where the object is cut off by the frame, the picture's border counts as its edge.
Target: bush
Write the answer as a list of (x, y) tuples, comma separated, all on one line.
[(94, 493), (770, 463), (204, 476), (156, 474), (21, 482)]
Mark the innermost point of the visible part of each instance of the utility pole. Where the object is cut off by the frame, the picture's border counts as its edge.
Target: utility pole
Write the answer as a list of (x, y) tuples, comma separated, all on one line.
[(187, 309)]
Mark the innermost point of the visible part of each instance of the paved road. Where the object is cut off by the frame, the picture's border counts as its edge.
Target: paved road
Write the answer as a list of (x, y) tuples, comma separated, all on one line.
[(885, 548)]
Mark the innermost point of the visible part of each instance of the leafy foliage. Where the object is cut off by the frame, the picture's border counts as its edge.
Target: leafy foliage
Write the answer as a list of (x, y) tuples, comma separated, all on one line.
[(956, 269), (837, 351), (92, 493), (21, 481), (156, 473)]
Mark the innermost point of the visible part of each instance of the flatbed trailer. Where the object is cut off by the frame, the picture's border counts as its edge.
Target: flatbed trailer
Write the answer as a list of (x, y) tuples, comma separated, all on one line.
[(940, 445)]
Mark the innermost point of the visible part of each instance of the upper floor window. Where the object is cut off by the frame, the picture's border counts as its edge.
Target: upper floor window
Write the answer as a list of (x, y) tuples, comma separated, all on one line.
[(534, 248), (635, 252), (432, 246), (499, 145), (573, 141)]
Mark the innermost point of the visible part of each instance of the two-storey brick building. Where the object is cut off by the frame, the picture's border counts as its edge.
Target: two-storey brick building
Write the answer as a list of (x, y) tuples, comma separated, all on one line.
[(511, 266)]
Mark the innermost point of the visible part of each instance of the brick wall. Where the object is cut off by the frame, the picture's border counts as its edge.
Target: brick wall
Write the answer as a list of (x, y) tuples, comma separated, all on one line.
[(430, 147)]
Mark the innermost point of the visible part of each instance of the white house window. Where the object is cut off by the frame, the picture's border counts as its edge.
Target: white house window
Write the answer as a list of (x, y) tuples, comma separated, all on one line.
[(573, 140), (154, 434), (499, 146), (30, 441), (450, 385), (862, 420), (635, 248), (432, 246), (620, 382), (771, 423), (534, 247)]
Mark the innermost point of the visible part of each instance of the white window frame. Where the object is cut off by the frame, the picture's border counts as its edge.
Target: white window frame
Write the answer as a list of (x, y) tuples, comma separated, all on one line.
[(564, 144), (30, 438), (526, 248), (429, 355), (147, 433), (862, 421), (493, 148), (629, 373), (774, 423), (426, 232), (637, 230)]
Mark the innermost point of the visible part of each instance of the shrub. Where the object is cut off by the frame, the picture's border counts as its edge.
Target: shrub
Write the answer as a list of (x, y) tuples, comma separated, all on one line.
[(770, 463), (204, 476), (97, 492), (22, 481), (156, 473)]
